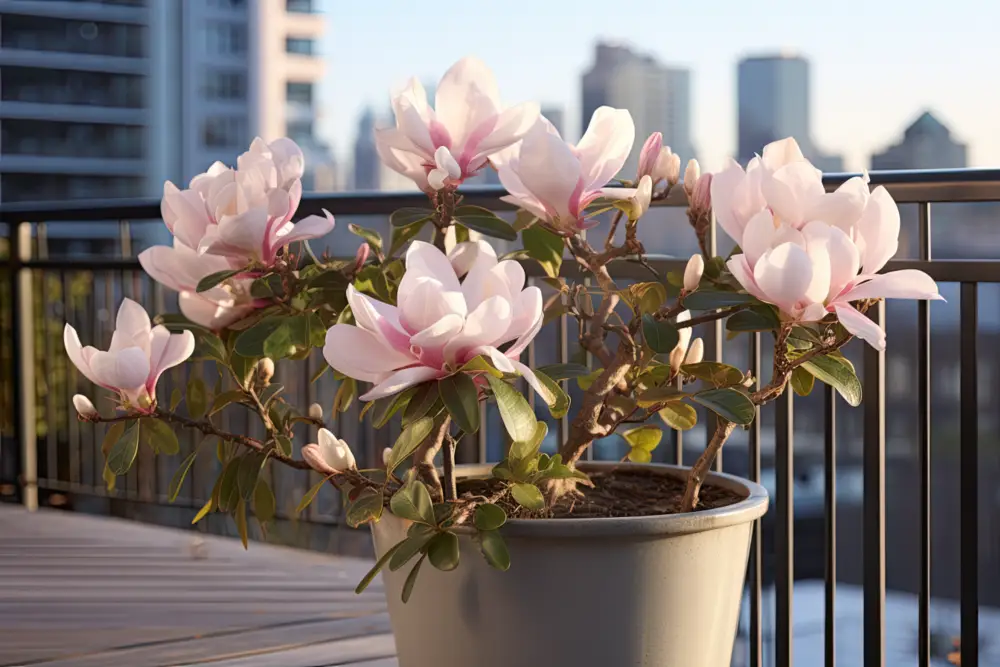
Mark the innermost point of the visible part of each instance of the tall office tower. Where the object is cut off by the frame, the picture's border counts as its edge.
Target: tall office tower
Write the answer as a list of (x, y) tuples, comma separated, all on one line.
[(658, 97), (367, 168), (773, 97), (926, 144), (109, 98)]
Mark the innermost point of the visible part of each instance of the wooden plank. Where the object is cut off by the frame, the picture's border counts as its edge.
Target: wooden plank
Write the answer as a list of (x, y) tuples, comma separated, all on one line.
[(327, 654)]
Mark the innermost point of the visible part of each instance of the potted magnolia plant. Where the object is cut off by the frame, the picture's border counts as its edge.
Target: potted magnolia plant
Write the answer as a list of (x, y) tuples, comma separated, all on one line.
[(618, 563)]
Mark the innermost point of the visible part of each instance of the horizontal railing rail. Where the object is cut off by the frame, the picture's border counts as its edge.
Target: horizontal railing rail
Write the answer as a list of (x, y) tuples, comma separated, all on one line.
[(44, 448)]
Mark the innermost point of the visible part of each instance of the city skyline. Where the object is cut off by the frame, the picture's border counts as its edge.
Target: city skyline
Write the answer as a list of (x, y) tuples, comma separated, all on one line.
[(876, 69)]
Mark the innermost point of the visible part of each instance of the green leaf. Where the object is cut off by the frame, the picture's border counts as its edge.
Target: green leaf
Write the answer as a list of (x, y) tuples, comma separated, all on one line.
[(544, 247), (284, 444), (267, 287), (564, 371), (243, 368), (324, 367), (371, 237), (366, 507), (384, 408), (523, 450), (421, 402), (710, 300), (123, 451), (413, 502), (646, 438), (679, 415), (494, 550), (241, 521), (250, 343), (204, 511), (408, 216), (754, 319), (411, 580), (178, 479), (484, 221), (657, 395), (713, 372), (639, 455), (837, 372), (408, 441), (527, 496), (280, 343), (213, 279), (379, 564), (557, 399), (584, 381), (176, 396), (264, 504), (489, 517), (229, 488), (196, 397), (802, 381), (517, 415), (158, 435), (346, 392), (414, 543), (443, 552), (224, 399), (479, 364), (461, 397), (310, 495), (249, 471), (403, 235), (730, 404), (646, 297), (660, 335)]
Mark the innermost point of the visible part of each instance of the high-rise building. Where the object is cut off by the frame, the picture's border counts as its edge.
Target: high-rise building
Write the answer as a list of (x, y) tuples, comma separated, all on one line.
[(658, 97), (367, 168), (926, 144), (109, 98), (773, 97)]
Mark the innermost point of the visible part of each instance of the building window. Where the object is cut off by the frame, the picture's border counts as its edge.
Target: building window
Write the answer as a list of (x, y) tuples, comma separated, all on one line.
[(227, 4), (300, 131), (60, 86), (227, 39), (224, 85), (300, 46), (60, 187), (78, 140), (224, 131), (39, 33), (300, 6), (299, 92)]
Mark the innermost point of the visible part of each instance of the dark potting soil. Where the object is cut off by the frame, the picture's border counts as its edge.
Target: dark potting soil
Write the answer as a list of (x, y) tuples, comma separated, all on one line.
[(619, 493)]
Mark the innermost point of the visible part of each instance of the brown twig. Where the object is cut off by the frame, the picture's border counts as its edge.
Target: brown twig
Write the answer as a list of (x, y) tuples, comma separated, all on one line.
[(699, 471), (423, 458), (710, 317)]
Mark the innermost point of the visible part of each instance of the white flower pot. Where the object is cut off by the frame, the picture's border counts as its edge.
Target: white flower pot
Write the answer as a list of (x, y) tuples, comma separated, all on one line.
[(660, 591)]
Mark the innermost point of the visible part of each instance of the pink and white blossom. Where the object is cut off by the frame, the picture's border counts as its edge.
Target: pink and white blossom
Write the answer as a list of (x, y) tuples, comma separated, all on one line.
[(138, 355), (556, 180), (441, 322), (658, 161), (443, 145), (329, 455)]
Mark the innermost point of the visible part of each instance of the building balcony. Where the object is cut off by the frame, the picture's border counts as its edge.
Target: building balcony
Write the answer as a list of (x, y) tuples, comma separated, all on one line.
[(880, 546), (74, 113), (68, 164), (74, 61), (91, 10)]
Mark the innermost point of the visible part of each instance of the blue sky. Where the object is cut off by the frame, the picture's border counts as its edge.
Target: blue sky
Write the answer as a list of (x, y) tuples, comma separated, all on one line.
[(875, 65)]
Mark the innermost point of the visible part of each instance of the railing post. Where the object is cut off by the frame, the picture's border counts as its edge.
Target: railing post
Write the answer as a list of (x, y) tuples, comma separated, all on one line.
[(24, 351)]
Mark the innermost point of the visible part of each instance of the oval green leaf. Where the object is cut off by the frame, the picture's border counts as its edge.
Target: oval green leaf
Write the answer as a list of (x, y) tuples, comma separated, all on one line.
[(197, 397), (679, 415), (408, 441), (178, 479), (802, 381), (730, 404), (713, 372), (517, 415), (837, 372), (494, 550), (461, 397), (413, 502), (264, 503), (554, 396), (528, 496), (660, 336), (484, 221), (124, 449), (489, 517), (411, 580), (407, 216), (711, 300), (443, 551), (645, 438)]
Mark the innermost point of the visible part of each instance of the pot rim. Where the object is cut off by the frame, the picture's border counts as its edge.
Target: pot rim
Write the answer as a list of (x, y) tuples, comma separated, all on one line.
[(752, 507)]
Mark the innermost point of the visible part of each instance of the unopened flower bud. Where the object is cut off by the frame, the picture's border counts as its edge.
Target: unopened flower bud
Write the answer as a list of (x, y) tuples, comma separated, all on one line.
[(265, 370), (649, 155), (361, 256), (386, 455), (330, 455), (447, 169), (691, 175), (316, 411), (84, 407), (696, 352), (693, 271), (672, 168), (641, 199), (676, 358), (701, 198)]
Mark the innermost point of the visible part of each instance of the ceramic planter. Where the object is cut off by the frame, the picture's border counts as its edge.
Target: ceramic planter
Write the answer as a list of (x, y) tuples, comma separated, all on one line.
[(659, 591)]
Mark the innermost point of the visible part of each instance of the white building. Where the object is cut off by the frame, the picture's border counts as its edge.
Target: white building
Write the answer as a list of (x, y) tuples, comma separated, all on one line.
[(109, 98)]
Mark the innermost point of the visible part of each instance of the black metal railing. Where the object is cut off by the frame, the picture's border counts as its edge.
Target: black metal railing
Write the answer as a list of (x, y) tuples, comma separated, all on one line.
[(74, 262)]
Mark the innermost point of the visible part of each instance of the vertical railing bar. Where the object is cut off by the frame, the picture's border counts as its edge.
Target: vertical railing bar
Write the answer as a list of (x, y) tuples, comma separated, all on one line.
[(589, 363), (716, 331), (785, 529), (23, 366), (969, 474), (830, 512), (50, 397), (873, 529), (924, 447), (563, 344), (756, 566)]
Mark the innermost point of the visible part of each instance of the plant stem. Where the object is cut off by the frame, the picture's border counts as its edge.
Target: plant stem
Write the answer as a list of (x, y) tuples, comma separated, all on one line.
[(699, 471), (710, 317), (423, 458), (448, 457)]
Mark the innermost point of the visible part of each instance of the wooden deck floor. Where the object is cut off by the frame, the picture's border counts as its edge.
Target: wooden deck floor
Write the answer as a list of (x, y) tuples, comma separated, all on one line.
[(83, 591)]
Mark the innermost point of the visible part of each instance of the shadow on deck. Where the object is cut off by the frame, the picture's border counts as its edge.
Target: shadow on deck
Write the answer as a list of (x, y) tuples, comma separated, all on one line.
[(81, 591)]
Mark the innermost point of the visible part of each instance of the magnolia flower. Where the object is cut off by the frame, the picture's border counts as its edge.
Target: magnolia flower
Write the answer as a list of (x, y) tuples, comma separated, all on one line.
[(84, 407), (331, 455), (138, 355), (658, 161), (244, 214), (683, 340), (696, 352), (691, 175), (315, 411), (700, 199), (265, 370), (808, 252), (180, 268), (555, 180), (440, 323), (693, 272), (638, 198), (448, 143), (386, 455)]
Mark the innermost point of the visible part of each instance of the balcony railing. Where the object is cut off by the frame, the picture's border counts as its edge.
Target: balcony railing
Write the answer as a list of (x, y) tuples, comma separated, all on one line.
[(74, 262)]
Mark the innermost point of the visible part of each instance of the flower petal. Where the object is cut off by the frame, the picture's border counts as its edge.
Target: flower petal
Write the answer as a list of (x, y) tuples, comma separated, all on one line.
[(784, 274), (605, 146), (311, 227), (132, 327), (126, 369), (400, 380), (549, 169), (361, 354), (528, 318), (905, 284), (860, 325), (791, 191), (166, 351), (485, 325), (208, 311), (380, 318), (530, 377), (75, 352), (879, 227), (743, 272)]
